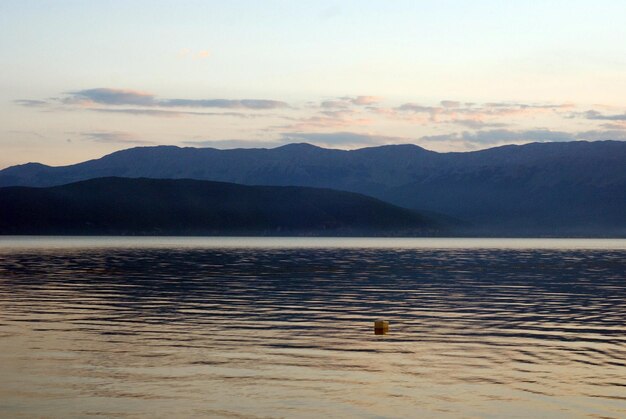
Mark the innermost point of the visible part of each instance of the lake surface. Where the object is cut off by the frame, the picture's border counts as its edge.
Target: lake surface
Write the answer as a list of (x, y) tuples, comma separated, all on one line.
[(271, 327)]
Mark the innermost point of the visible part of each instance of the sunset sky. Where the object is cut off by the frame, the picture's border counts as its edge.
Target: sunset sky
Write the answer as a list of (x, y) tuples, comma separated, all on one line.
[(81, 79)]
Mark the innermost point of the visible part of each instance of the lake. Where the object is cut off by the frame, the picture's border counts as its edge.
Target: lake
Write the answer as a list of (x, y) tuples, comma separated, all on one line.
[(283, 327)]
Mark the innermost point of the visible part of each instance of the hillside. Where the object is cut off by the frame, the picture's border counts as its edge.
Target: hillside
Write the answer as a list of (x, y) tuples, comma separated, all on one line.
[(571, 188), (119, 206)]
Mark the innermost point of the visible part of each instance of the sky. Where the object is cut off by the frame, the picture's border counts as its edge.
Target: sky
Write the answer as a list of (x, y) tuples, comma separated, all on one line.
[(81, 79)]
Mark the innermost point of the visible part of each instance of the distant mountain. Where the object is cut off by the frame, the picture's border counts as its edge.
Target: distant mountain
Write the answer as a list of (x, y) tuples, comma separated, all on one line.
[(572, 188), (121, 206)]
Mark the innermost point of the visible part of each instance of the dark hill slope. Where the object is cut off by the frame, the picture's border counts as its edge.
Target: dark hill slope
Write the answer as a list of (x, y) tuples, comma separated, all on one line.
[(192, 207), (572, 188)]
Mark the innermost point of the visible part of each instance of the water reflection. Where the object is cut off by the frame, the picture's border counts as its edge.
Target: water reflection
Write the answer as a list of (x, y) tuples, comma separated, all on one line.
[(288, 332)]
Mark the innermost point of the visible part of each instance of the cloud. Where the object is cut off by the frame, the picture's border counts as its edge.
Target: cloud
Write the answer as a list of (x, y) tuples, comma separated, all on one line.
[(615, 125), (106, 96), (341, 113), (147, 112), (224, 103), (338, 113), (593, 114), (113, 137), (599, 135), (478, 124), (335, 104), (172, 113), (470, 115), (325, 121), (230, 144), (363, 100), (413, 107), (348, 101), (450, 103), (30, 102), (125, 97), (451, 108), (528, 105), (501, 136)]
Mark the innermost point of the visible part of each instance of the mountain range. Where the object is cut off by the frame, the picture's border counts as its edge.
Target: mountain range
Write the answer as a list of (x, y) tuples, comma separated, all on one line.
[(554, 189), (123, 206)]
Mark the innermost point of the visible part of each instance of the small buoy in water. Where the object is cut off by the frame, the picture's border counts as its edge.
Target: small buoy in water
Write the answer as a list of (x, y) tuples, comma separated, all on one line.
[(381, 327)]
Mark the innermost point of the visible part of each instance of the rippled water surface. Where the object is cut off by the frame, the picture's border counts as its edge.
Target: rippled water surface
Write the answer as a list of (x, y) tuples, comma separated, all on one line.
[(284, 328)]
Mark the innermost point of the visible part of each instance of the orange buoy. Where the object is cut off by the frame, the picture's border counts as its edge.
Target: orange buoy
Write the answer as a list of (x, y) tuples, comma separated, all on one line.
[(381, 327)]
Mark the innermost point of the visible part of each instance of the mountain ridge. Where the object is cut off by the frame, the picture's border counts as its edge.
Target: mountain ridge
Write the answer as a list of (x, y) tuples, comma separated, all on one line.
[(562, 188)]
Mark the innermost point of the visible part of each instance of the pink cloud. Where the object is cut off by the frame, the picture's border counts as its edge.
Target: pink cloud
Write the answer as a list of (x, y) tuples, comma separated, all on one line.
[(329, 119), (348, 101), (365, 100), (471, 114)]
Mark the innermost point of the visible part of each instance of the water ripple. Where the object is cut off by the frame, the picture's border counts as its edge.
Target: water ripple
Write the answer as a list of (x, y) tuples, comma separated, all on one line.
[(284, 331)]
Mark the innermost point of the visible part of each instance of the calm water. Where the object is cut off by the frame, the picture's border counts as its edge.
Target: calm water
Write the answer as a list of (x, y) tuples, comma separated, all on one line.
[(175, 327)]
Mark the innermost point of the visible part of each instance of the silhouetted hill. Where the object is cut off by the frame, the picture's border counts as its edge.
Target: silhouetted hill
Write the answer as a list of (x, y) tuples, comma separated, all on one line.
[(120, 206), (575, 188)]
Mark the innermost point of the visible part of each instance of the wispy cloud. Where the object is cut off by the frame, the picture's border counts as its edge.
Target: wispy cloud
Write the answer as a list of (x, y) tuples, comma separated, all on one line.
[(614, 125), (146, 112), (450, 104), (126, 97), (470, 115), (223, 103), (478, 123), (30, 102), (326, 121), (113, 137), (106, 96), (363, 100), (348, 101), (335, 104), (455, 110), (593, 114), (173, 113), (337, 120), (503, 136), (600, 135)]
